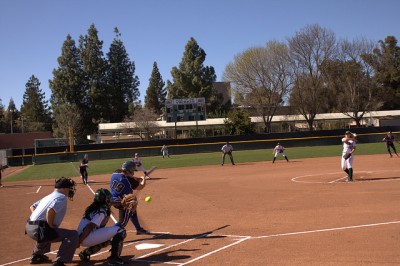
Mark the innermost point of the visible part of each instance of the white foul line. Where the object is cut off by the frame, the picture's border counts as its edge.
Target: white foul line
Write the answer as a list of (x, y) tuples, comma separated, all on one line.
[(215, 251), (37, 191), (327, 229), (177, 244)]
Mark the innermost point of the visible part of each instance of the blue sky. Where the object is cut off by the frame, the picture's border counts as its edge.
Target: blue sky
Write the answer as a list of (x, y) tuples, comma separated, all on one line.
[(32, 32)]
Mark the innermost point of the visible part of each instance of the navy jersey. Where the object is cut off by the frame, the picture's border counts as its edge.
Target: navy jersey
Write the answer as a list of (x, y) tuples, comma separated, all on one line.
[(389, 139), (119, 186), (83, 164)]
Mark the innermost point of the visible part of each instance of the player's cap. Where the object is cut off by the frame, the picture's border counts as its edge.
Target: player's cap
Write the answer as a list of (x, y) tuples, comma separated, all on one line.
[(347, 132), (136, 154), (390, 132)]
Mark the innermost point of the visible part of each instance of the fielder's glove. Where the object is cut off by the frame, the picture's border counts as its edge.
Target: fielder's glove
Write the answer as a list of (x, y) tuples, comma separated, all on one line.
[(347, 156)]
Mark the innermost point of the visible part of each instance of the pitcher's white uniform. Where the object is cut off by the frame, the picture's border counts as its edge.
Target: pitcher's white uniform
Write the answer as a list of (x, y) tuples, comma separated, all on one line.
[(349, 146)]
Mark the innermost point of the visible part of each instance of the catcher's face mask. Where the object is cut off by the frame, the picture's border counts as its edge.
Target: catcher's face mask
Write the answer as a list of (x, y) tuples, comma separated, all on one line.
[(71, 192)]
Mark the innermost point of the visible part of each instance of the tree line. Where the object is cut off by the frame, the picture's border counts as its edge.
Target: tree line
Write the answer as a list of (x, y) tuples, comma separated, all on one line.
[(312, 71)]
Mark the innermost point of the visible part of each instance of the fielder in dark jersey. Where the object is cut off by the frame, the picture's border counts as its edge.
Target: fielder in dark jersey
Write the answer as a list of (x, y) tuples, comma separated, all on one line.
[(389, 139), (83, 170)]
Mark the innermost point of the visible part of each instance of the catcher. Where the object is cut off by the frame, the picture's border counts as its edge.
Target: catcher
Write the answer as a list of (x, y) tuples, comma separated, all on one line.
[(95, 235), (349, 146), (227, 149), (122, 186), (279, 149)]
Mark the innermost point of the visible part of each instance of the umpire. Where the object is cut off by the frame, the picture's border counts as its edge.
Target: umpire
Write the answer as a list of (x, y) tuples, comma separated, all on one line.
[(227, 149), (43, 224)]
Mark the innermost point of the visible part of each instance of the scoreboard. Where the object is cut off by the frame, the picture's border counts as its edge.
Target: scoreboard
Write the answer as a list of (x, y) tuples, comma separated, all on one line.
[(181, 110)]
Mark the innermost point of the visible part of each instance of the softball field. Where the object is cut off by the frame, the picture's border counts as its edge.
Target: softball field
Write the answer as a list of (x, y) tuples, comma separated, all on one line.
[(297, 213)]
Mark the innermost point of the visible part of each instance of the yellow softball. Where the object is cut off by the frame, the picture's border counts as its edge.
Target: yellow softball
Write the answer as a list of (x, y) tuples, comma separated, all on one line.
[(147, 199)]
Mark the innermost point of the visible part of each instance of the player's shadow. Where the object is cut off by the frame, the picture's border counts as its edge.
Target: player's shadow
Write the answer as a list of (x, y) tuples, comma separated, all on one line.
[(177, 236), (378, 178)]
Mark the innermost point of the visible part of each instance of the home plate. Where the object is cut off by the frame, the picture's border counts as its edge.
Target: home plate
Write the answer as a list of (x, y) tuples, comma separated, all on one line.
[(147, 246)]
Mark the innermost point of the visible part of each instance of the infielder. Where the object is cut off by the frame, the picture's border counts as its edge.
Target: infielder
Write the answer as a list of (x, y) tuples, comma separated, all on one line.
[(139, 165), (279, 149), (389, 139), (93, 232), (43, 224), (349, 146), (227, 149)]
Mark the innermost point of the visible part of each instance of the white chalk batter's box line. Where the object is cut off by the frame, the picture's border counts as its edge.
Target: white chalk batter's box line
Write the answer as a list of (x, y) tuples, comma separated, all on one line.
[(357, 174), (239, 240)]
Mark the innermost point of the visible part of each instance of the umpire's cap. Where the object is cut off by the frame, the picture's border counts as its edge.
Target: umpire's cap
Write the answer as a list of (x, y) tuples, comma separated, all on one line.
[(64, 182), (129, 167)]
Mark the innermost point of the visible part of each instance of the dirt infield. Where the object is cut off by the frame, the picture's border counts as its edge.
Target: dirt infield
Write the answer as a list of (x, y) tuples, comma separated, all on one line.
[(297, 213)]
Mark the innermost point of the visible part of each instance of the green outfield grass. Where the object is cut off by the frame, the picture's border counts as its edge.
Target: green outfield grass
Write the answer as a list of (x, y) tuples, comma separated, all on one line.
[(47, 171)]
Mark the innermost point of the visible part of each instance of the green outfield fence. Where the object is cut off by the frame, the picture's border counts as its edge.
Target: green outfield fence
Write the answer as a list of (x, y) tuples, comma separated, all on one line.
[(17, 157)]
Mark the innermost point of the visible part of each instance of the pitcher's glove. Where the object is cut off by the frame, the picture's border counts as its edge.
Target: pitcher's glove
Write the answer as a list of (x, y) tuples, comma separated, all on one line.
[(129, 202), (347, 155)]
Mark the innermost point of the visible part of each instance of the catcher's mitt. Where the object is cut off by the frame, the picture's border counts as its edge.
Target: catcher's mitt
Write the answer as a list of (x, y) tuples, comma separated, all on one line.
[(129, 202), (347, 156)]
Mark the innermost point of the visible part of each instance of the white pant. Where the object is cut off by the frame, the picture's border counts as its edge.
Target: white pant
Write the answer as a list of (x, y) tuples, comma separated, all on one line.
[(101, 235), (277, 152), (346, 164)]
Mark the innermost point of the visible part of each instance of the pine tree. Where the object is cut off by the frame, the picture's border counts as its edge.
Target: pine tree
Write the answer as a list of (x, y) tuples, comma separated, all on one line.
[(123, 85), (156, 92), (192, 79), (12, 115), (68, 93), (94, 67), (35, 110), (385, 61), (2, 118)]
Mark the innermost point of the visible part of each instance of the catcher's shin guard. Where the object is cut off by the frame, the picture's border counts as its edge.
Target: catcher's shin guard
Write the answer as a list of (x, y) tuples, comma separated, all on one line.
[(85, 254), (117, 243)]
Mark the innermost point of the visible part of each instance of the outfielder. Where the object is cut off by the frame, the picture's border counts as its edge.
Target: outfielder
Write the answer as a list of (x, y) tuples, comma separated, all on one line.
[(349, 146), (43, 224), (279, 149), (122, 185), (164, 151), (93, 232), (389, 139), (227, 149), (139, 165)]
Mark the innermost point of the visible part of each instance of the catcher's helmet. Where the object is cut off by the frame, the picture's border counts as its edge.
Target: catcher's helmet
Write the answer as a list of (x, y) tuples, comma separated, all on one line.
[(129, 167), (102, 195)]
